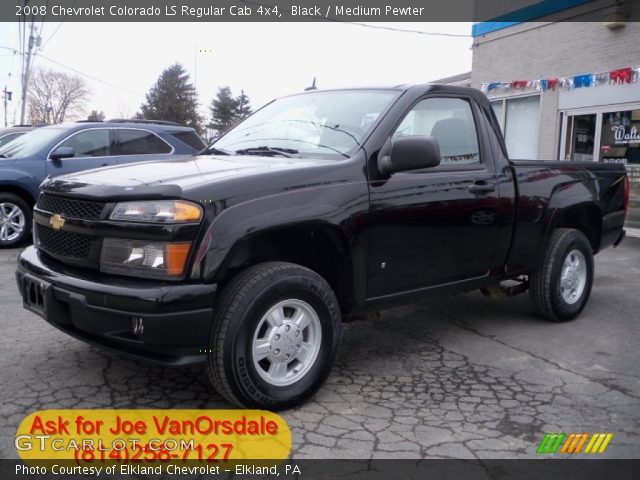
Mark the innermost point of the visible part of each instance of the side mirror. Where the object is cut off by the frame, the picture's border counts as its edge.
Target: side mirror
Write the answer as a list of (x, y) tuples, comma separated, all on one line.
[(411, 153), (62, 152)]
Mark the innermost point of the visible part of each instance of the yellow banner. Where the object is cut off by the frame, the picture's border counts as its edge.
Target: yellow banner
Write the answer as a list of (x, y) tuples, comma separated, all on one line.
[(150, 436)]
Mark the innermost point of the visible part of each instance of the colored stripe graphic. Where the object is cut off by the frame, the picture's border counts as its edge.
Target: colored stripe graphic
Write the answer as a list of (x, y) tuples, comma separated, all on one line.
[(550, 443), (573, 443), (598, 443)]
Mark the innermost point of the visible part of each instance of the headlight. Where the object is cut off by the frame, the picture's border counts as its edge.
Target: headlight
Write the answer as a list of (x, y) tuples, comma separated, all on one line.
[(144, 258), (158, 211)]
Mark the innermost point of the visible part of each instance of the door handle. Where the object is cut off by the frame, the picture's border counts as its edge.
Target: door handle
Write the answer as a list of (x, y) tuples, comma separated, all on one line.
[(480, 186)]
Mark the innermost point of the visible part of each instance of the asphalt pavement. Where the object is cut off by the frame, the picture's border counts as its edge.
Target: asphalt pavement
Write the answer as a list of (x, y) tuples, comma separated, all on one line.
[(464, 376)]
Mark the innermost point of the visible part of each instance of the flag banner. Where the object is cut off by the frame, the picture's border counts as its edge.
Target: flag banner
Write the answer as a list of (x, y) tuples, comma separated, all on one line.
[(614, 77)]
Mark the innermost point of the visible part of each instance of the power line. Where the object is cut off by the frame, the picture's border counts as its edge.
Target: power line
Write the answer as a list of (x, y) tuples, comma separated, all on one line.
[(44, 17), (89, 76), (57, 28), (403, 30), (52, 35), (14, 50), (366, 25)]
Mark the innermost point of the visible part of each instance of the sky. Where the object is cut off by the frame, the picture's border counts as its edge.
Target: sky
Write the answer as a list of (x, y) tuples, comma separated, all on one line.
[(120, 62)]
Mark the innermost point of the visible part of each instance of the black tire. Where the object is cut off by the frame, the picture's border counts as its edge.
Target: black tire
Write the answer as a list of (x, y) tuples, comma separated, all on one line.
[(545, 289), (241, 307), (11, 199)]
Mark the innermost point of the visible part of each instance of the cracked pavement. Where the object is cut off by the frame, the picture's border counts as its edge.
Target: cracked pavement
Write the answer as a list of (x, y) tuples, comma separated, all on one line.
[(457, 377)]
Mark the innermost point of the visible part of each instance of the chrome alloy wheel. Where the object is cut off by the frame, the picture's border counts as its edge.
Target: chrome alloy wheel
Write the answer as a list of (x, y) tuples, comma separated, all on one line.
[(573, 278), (12, 221), (286, 342)]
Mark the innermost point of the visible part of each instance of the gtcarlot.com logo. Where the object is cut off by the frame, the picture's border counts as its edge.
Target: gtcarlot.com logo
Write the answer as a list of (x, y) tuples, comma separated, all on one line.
[(574, 443)]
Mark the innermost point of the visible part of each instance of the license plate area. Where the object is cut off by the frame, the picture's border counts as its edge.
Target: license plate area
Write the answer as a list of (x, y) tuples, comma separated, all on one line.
[(34, 295)]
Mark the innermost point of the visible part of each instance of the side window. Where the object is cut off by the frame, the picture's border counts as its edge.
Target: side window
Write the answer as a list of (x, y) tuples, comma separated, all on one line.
[(448, 120), (139, 142), (190, 138), (90, 143)]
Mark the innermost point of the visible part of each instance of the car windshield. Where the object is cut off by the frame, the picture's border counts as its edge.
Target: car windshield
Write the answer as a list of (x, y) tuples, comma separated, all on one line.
[(30, 143), (330, 125), (4, 139)]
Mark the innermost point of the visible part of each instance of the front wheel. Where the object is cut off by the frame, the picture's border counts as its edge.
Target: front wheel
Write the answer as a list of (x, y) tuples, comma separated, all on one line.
[(15, 220), (560, 288), (275, 336)]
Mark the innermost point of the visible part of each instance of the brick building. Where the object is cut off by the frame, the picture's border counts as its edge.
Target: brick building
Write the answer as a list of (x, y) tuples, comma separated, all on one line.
[(589, 113)]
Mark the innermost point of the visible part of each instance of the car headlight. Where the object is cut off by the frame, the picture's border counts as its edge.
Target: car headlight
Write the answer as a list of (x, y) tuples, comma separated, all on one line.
[(144, 258), (157, 211)]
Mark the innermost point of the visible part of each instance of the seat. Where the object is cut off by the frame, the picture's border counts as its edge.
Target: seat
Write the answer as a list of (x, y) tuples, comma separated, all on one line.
[(456, 139)]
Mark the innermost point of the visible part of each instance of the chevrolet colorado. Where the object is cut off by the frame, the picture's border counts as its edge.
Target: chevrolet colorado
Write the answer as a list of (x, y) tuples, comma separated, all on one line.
[(319, 207)]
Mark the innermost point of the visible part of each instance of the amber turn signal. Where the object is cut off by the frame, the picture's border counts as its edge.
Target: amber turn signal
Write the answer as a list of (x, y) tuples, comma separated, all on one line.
[(177, 257), (187, 212)]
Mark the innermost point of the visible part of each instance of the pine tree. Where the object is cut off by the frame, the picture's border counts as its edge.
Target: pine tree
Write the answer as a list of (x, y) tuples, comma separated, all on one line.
[(224, 110), (243, 108), (96, 116), (173, 98)]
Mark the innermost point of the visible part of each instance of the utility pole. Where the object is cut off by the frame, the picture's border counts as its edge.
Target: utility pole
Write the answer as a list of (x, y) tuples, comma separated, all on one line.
[(34, 41), (7, 98)]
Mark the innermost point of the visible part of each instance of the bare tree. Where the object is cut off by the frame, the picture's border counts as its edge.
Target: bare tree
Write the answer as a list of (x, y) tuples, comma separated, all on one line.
[(55, 96)]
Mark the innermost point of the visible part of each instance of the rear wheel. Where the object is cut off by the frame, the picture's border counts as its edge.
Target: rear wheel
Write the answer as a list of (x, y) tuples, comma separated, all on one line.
[(275, 336), (15, 220), (560, 288)]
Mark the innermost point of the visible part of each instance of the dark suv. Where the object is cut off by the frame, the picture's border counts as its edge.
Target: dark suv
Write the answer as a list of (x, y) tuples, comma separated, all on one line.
[(58, 149)]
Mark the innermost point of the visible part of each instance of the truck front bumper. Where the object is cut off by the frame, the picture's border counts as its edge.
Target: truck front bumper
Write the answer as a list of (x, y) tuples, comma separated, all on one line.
[(164, 323)]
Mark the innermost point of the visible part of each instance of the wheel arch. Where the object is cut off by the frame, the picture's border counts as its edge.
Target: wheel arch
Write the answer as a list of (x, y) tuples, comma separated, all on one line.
[(319, 246), (585, 217), (19, 191)]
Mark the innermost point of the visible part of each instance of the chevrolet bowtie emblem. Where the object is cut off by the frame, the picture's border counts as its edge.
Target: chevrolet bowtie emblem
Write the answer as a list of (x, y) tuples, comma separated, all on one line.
[(56, 222)]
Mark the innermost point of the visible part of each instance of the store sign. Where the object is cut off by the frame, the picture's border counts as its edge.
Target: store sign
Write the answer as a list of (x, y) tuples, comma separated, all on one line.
[(620, 142), (623, 136)]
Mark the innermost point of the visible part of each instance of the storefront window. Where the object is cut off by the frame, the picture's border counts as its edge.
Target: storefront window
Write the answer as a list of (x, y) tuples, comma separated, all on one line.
[(519, 120), (581, 138), (498, 108), (620, 143)]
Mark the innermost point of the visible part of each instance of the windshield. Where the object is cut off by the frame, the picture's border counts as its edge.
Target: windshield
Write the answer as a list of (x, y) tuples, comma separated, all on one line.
[(329, 124), (30, 143), (4, 139)]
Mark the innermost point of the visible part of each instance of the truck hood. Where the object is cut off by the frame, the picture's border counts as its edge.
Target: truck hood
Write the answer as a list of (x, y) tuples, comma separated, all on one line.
[(170, 178)]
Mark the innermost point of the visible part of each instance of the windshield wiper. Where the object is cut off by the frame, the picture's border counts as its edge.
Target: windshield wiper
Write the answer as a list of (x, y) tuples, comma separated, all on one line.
[(2, 155), (265, 150), (211, 150)]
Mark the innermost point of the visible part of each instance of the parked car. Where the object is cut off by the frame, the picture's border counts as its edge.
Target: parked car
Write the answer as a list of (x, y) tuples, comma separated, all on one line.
[(11, 133), (318, 207), (59, 149)]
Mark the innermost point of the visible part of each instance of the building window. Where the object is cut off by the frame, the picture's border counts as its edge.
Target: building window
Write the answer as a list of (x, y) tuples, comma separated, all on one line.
[(519, 119), (620, 143), (581, 137), (609, 136), (498, 108)]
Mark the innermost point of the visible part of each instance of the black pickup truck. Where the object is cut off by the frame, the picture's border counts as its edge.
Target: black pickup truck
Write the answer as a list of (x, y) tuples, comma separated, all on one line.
[(316, 209)]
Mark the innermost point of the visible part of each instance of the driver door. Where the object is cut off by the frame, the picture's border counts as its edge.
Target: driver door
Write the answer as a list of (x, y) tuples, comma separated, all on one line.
[(434, 226)]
